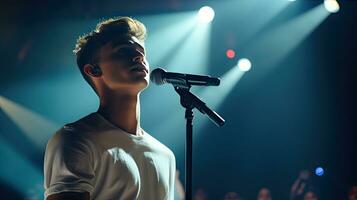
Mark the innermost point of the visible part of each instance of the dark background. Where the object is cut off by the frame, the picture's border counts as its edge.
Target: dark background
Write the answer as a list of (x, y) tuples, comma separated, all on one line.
[(299, 115)]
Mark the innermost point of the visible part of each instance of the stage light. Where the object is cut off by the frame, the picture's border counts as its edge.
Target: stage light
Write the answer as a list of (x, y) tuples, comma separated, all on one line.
[(38, 131), (228, 82), (319, 171), (244, 64), (180, 24), (332, 6), (18, 172), (230, 53), (205, 14)]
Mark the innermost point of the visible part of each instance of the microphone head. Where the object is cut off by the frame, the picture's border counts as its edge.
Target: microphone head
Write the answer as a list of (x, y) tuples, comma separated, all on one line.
[(157, 76)]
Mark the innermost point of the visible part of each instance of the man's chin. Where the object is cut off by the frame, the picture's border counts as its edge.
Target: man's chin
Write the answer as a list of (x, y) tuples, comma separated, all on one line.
[(141, 84), (144, 85)]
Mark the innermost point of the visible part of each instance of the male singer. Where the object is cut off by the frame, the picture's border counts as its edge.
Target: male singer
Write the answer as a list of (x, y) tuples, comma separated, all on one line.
[(106, 155)]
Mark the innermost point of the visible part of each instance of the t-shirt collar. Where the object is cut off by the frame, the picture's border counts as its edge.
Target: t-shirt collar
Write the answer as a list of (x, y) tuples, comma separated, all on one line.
[(104, 123)]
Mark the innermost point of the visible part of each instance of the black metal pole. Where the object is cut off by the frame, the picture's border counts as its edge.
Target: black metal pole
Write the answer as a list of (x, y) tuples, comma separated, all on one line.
[(190, 101), (188, 167)]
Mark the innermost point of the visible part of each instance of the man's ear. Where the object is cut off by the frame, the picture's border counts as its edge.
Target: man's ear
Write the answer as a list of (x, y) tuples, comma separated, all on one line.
[(92, 70)]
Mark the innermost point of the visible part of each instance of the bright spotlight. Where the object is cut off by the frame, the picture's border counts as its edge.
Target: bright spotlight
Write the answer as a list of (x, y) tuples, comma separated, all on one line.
[(205, 14), (38, 131), (319, 171), (332, 6), (244, 64)]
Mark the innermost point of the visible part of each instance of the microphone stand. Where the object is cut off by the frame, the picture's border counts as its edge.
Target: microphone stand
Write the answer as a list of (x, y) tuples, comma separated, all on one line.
[(189, 101)]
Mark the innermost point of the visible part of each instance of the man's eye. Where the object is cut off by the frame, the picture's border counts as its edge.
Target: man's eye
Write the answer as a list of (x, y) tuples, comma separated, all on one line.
[(119, 55), (125, 53)]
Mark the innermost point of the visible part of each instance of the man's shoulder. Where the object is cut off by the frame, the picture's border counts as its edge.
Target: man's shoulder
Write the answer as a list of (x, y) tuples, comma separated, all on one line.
[(71, 132), (83, 124)]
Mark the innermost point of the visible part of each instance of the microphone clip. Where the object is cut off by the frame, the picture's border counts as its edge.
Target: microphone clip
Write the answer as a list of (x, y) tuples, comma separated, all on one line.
[(190, 101)]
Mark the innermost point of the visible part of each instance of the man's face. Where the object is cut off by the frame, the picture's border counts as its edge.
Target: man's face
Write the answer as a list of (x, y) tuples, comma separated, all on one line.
[(353, 193), (200, 195), (232, 196), (124, 65), (310, 196), (264, 194)]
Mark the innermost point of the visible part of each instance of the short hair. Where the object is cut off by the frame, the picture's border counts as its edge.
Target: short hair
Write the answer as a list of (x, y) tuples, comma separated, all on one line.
[(88, 45)]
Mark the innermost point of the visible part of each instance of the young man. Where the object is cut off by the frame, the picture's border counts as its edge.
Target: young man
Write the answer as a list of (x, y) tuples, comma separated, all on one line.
[(107, 155)]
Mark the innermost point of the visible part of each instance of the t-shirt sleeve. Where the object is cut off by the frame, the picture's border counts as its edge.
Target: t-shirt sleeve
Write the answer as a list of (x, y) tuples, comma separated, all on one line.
[(68, 164)]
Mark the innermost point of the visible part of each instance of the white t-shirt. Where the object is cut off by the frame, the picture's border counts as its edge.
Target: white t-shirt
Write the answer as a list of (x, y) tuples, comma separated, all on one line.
[(92, 155)]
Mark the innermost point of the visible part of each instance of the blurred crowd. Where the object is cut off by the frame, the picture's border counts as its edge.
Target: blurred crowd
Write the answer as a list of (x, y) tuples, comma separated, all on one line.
[(302, 189)]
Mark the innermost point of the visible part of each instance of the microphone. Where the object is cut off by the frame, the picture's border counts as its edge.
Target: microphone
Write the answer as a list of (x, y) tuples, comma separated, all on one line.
[(160, 76)]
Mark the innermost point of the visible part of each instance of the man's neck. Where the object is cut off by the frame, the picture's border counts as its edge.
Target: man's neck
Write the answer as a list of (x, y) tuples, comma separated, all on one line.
[(122, 110)]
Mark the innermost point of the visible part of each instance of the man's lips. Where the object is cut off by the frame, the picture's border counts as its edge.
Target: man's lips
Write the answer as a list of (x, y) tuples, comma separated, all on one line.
[(139, 68)]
